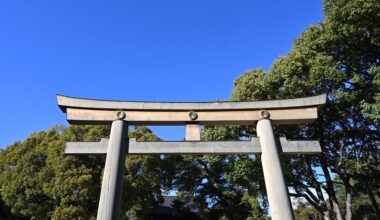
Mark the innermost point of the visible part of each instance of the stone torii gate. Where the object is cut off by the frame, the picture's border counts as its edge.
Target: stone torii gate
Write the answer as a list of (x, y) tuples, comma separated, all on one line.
[(121, 114)]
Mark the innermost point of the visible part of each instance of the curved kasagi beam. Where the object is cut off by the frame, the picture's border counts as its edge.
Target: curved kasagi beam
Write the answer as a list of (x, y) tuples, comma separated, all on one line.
[(285, 111), (65, 102)]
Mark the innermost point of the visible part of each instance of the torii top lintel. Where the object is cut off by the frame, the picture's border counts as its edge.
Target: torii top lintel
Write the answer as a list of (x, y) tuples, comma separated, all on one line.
[(285, 111)]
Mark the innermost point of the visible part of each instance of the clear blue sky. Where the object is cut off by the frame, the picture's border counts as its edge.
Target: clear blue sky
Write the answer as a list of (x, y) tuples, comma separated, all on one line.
[(134, 50)]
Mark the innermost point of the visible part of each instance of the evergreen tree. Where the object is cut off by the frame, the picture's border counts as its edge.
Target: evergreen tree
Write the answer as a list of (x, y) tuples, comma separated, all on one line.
[(340, 56), (40, 182)]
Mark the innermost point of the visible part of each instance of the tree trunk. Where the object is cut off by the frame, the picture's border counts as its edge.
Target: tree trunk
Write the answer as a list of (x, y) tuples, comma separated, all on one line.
[(326, 215), (338, 213), (314, 182), (375, 206), (330, 190), (348, 187)]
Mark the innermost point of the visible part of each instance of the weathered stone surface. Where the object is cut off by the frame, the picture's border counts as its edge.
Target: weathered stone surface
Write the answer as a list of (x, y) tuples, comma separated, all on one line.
[(112, 183), (123, 113), (252, 146), (277, 190), (65, 102), (288, 111), (223, 117), (193, 132)]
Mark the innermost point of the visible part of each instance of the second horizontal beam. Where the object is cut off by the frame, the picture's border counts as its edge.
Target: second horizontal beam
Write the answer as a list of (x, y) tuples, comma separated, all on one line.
[(195, 147)]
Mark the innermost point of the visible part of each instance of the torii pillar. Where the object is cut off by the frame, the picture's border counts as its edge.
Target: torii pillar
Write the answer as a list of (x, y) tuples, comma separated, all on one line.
[(120, 114), (112, 183), (279, 200)]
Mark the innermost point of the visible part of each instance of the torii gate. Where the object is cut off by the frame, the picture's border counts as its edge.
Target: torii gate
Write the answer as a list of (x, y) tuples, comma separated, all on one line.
[(120, 114)]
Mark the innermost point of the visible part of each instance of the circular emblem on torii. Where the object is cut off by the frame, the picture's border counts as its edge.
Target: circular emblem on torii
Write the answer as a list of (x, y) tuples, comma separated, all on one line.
[(265, 114), (120, 115), (193, 115)]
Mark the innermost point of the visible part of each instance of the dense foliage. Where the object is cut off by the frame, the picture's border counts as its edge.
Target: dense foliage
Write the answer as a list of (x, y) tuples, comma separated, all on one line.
[(39, 181), (221, 187), (339, 56)]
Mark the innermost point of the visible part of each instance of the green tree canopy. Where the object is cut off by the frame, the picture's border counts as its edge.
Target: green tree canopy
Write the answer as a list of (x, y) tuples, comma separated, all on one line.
[(340, 56), (39, 181)]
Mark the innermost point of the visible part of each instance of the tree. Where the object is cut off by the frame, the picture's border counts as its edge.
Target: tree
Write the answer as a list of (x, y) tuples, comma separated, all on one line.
[(304, 212), (221, 187), (340, 57), (39, 181), (361, 203)]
